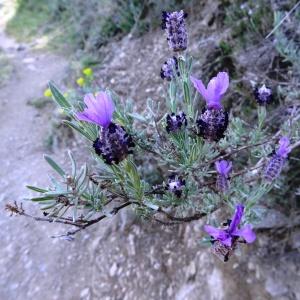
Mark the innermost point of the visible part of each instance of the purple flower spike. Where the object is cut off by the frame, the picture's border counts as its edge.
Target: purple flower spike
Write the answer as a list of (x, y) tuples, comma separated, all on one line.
[(215, 90), (99, 109), (284, 148), (174, 25), (223, 167), (277, 161), (230, 235)]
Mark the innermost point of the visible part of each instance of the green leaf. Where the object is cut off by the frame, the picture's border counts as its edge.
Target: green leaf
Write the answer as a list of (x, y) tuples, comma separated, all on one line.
[(73, 163), (186, 93), (36, 189), (77, 128), (58, 97), (40, 199), (54, 165)]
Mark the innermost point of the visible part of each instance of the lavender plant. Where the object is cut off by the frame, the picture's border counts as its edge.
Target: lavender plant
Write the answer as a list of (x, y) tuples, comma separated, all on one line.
[(171, 163)]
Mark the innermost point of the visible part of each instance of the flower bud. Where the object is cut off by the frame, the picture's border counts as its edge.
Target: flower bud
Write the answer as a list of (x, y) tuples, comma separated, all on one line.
[(175, 185), (175, 122), (263, 95)]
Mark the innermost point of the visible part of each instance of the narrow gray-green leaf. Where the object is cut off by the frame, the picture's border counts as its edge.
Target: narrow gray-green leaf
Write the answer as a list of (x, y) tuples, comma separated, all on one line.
[(73, 163), (54, 165), (58, 96), (36, 189)]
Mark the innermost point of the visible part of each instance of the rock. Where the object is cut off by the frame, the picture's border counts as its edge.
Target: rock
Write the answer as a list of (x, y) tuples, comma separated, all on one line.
[(85, 294), (276, 287), (113, 270), (272, 219), (191, 271)]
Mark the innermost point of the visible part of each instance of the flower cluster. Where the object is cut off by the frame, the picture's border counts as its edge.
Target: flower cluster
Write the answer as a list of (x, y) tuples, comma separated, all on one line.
[(174, 25), (213, 121), (114, 142), (175, 185), (169, 69), (175, 122), (276, 163), (224, 240), (223, 168), (263, 95)]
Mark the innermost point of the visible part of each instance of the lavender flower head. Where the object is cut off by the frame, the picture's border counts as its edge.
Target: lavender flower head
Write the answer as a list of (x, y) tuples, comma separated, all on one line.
[(114, 143), (284, 147), (215, 90), (175, 122), (174, 25), (263, 95), (99, 109), (226, 239), (213, 120), (175, 185), (277, 161), (223, 168), (169, 68)]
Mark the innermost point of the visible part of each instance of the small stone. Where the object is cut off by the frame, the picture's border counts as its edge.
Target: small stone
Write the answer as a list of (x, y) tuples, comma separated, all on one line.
[(275, 287), (191, 270), (113, 270), (85, 294)]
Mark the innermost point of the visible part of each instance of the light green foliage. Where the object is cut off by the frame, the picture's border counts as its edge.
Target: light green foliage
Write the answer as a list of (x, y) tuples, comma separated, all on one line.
[(30, 15), (286, 38), (250, 20), (85, 25)]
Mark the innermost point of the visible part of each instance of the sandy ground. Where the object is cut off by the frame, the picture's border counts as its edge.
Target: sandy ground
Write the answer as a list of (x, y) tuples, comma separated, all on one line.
[(33, 265)]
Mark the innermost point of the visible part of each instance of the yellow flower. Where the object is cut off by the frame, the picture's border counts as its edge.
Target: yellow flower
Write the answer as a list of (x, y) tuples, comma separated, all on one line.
[(80, 81), (47, 93), (88, 72), (66, 94)]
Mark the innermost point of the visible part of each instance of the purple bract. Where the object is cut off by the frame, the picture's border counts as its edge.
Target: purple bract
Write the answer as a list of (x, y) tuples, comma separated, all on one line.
[(99, 109), (228, 235), (223, 167), (215, 90), (284, 149)]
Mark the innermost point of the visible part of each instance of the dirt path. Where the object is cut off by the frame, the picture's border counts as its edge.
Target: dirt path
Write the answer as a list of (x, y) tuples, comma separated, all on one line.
[(33, 266)]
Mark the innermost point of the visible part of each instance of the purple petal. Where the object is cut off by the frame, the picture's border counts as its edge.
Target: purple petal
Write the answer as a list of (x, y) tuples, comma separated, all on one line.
[(222, 83), (216, 233), (246, 233), (223, 167), (99, 110), (199, 86), (105, 108), (216, 88), (236, 220), (284, 148), (227, 242), (87, 117)]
